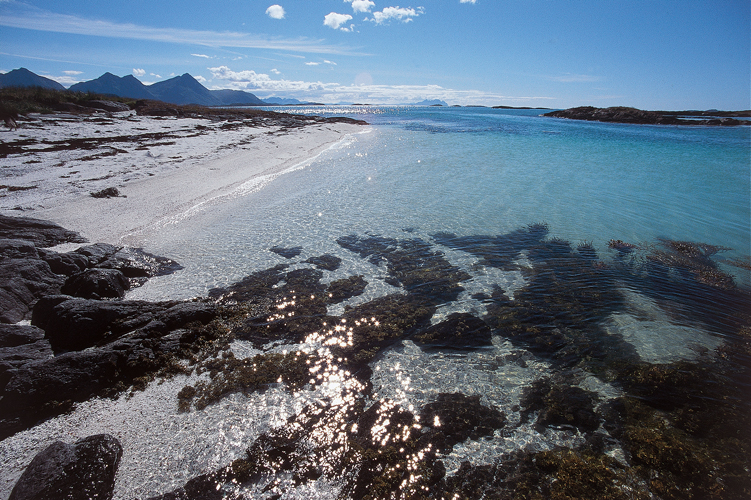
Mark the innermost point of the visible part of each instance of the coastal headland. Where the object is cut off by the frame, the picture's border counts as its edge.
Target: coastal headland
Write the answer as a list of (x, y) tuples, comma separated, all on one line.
[(621, 114)]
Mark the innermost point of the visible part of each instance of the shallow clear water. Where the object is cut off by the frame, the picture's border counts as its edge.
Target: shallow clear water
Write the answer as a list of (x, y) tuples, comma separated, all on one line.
[(476, 171)]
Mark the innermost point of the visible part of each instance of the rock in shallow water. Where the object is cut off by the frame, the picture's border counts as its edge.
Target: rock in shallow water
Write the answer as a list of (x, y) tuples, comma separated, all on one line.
[(97, 284), (83, 470)]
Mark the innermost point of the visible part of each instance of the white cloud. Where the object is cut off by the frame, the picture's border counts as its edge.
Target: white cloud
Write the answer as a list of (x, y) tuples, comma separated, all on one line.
[(361, 5), (65, 81), (155, 75), (276, 71), (275, 12), (201, 55), (200, 78), (32, 18), (325, 61), (250, 80), (334, 20), (139, 72), (404, 15), (72, 73), (467, 1)]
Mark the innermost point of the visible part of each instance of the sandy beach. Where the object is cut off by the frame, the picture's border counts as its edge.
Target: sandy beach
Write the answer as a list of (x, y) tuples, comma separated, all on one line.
[(162, 168)]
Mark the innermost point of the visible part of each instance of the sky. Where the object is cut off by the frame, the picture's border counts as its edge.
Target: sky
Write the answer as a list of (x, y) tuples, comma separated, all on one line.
[(649, 54)]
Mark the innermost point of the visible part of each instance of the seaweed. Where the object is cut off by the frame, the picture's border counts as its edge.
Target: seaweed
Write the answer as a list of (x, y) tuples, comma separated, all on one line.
[(231, 375), (461, 331), (345, 288), (454, 418), (326, 262), (559, 405), (411, 264)]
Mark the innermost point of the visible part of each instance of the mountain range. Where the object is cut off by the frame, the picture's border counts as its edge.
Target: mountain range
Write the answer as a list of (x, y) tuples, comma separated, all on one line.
[(183, 89)]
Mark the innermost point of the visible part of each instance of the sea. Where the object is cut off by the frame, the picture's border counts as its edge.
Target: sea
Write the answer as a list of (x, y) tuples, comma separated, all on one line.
[(562, 304)]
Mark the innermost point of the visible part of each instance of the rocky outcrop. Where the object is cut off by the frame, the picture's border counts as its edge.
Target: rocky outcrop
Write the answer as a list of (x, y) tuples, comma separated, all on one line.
[(100, 347), (20, 345), (79, 345), (632, 115), (97, 284), (28, 271), (83, 470), (38, 232)]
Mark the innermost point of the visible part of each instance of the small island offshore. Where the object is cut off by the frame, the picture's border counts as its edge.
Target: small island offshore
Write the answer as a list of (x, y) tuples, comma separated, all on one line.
[(620, 114)]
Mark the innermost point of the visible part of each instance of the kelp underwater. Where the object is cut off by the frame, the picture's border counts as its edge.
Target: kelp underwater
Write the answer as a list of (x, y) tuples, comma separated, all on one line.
[(559, 397), (675, 429)]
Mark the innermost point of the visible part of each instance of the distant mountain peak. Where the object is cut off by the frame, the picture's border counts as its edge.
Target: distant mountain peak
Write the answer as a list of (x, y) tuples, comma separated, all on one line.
[(22, 77), (183, 89)]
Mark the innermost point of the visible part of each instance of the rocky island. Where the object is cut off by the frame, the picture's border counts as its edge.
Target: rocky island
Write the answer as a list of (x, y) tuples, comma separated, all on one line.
[(622, 114)]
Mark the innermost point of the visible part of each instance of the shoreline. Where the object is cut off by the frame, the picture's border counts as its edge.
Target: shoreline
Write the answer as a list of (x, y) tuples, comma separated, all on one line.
[(169, 167)]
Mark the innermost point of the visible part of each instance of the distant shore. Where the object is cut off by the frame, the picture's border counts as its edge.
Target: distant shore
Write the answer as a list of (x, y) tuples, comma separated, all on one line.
[(637, 116)]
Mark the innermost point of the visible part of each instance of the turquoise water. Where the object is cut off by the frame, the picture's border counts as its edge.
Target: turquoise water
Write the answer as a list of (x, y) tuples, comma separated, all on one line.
[(623, 364), (483, 171)]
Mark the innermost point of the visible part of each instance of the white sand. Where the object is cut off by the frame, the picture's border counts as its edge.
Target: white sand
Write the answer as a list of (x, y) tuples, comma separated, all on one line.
[(163, 179)]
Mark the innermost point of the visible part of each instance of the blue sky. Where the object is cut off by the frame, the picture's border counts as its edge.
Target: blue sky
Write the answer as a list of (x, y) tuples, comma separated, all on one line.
[(683, 54)]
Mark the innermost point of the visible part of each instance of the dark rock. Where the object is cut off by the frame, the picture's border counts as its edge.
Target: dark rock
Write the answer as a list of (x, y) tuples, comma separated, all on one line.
[(20, 345), (98, 252), (110, 192), (15, 335), (74, 323), (83, 470), (22, 282), (16, 249), (97, 284), (72, 376), (135, 263), (15, 357), (40, 233), (68, 263), (287, 253), (459, 331), (188, 312)]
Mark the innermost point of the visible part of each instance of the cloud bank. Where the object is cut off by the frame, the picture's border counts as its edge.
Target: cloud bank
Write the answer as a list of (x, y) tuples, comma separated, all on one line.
[(404, 15), (365, 91)]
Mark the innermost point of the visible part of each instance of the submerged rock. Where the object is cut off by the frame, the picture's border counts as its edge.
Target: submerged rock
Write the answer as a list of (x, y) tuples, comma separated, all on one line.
[(459, 331), (287, 253), (83, 470)]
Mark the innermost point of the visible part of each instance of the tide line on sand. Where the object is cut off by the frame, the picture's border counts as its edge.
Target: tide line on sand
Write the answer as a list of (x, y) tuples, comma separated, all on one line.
[(157, 182)]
